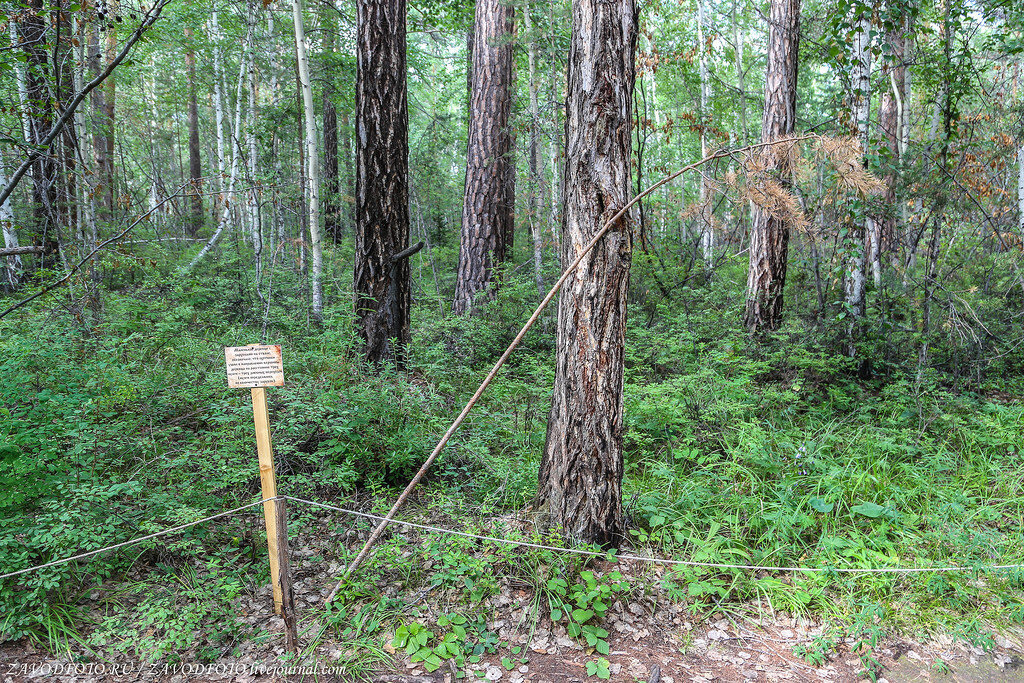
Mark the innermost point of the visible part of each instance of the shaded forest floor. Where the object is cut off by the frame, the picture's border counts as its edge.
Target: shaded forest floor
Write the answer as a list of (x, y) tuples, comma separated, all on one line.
[(652, 636)]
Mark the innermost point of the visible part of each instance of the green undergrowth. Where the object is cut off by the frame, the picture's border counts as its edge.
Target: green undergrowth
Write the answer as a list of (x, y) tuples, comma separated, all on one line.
[(771, 452)]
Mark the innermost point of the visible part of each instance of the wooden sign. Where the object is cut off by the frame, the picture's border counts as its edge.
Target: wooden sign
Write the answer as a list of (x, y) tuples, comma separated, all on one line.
[(256, 365)]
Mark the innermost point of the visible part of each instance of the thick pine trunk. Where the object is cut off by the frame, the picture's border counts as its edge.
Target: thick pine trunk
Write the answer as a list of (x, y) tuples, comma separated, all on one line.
[(382, 286), (581, 471), (769, 237), (488, 206)]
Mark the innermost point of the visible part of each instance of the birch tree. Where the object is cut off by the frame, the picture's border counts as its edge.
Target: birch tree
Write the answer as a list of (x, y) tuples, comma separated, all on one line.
[(860, 109), (312, 168)]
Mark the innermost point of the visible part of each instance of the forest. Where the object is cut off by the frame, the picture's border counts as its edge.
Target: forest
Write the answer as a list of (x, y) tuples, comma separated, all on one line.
[(631, 340)]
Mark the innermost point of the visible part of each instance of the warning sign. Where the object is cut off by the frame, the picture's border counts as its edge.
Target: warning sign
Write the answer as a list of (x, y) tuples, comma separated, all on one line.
[(256, 365)]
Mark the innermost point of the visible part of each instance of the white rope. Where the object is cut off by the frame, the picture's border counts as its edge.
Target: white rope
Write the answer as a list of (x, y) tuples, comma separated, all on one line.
[(661, 560), (135, 541), (523, 544)]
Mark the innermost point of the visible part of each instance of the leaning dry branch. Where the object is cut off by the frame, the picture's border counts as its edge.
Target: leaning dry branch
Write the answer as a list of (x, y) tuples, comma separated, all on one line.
[(69, 111), (375, 535)]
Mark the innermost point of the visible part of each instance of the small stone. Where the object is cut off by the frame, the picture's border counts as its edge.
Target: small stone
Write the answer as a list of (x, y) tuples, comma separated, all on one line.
[(493, 673)]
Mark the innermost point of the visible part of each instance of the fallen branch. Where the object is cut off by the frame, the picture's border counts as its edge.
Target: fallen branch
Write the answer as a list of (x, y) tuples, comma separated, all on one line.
[(375, 535), (18, 251)]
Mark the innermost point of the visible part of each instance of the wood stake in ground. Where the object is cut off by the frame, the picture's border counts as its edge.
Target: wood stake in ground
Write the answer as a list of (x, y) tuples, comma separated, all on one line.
[(284, 578)]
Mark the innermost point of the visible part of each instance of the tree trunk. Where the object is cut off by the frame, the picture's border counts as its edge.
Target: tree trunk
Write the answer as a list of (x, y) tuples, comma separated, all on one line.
[(769, 237), (32, 29), (12, 267), (581, 471), (488, 206), (534, 179), (890, 124), (382, 287), (332, 215), (860, 107), (707, 230), (195, 166), (313, 169), (1020, 188), (109, 123), (218, 103)]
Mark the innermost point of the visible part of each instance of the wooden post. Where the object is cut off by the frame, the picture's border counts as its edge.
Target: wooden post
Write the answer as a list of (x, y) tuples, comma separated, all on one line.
[(269, 485), (284, 582)]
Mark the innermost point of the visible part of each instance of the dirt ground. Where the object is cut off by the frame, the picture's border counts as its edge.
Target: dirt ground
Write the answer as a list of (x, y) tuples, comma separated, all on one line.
[(646, 646)]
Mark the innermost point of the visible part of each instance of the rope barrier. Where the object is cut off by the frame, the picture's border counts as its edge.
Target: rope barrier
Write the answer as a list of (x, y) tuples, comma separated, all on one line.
[(661, 560), (135, 541), (522, 544)]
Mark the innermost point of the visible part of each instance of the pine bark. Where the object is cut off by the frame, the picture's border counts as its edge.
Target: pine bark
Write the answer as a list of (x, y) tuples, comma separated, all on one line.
[(580, 474), (195, 164), (32, 28), (535, 180), (332, 213), (488, 205), (382, 287), (769, 237)]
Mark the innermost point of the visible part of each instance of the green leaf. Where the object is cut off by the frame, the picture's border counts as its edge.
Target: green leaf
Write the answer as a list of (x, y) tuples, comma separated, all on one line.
[(871, 510), (582, 615), (821, 505)]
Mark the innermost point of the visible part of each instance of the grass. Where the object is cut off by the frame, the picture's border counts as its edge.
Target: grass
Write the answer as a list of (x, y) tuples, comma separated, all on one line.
[(736, 452)]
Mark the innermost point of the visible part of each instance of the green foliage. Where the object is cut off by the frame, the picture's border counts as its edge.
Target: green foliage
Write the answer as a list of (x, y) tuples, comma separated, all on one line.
[(177, 613)]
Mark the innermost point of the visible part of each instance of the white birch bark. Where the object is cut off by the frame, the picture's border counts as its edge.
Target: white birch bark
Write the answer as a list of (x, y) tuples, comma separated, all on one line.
[(860, 105), (153, 118), (312, 166), (22, 80), (228, 195), (218, 99), (255, 228), (12, 264), (1020, 188), (707, 234)]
